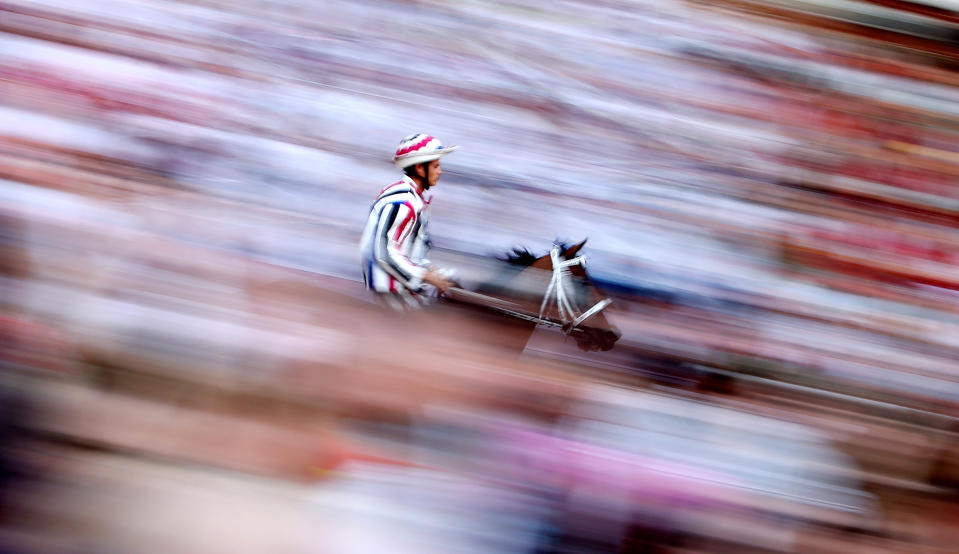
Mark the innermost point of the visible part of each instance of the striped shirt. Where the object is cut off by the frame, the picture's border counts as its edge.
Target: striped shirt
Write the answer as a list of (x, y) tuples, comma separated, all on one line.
[(395, 242)]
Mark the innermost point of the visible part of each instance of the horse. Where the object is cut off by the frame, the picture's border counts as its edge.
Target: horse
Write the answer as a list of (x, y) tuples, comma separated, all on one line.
[(553, 290)]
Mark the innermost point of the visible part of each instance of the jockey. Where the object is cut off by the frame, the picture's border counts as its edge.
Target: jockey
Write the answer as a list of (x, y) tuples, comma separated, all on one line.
[(395, 239)]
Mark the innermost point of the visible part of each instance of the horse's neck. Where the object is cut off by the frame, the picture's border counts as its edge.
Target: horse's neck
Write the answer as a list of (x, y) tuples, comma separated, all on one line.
[(522, 285), (512, 295), (500, 284), (486, 325)]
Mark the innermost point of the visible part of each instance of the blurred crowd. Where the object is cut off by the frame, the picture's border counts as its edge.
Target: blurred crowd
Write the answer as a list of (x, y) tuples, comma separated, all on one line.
[(770, 193)]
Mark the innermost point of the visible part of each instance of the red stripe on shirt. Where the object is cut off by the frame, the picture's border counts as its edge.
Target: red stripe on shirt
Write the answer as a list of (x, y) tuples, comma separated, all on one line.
[(399, 232)]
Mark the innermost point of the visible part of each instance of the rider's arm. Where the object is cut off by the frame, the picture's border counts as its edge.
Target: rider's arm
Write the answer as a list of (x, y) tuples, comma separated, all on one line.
[(436, 278)]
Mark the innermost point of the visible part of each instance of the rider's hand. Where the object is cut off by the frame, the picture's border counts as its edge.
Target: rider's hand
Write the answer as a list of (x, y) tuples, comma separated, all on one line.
[(437, 279)]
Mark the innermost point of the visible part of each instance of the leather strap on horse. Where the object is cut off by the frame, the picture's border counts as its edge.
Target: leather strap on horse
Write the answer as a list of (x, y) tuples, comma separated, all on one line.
[(503, 306), (558, 293)]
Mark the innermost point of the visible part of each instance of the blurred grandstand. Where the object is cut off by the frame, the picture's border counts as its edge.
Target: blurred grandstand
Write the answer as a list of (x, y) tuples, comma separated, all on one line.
[(770, 193)]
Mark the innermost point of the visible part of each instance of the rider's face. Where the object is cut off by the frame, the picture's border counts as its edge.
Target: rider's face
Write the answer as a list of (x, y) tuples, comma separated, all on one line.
[(435, 172)]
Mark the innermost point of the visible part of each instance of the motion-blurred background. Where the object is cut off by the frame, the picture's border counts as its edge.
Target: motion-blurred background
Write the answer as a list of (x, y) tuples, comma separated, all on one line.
[(769, 189)]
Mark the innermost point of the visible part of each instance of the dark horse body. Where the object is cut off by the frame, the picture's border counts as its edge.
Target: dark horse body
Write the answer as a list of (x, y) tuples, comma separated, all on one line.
[(505, 311)]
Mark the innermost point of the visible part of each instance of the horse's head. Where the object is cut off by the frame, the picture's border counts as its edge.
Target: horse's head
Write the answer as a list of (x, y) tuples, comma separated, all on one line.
[(574, 301)]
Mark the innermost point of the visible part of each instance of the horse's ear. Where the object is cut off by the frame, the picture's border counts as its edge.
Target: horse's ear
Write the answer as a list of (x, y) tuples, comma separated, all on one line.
[(573, 250)]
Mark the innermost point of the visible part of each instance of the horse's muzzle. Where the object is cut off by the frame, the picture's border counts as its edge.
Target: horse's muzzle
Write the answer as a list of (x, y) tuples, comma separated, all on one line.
[(592, 339)]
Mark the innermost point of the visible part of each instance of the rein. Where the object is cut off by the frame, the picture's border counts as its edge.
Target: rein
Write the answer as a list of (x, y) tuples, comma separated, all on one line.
[(502, 306), (558, 293)]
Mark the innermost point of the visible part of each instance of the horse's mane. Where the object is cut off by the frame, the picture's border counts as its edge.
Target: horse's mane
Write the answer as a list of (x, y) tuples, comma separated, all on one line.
[(519, 256), (522, 257)]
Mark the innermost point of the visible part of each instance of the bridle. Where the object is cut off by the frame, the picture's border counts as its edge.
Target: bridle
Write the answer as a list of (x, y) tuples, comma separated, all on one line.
[(559, 294)]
